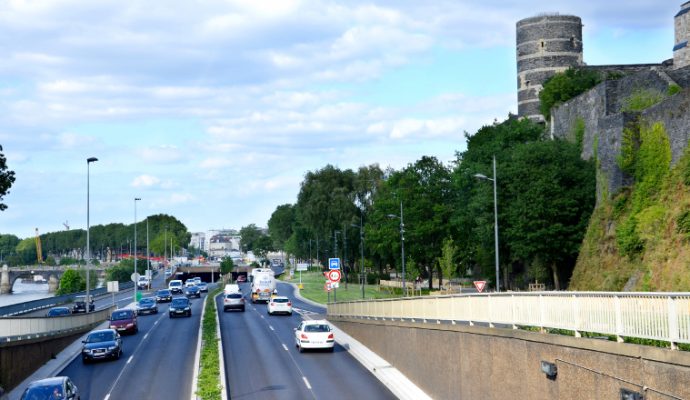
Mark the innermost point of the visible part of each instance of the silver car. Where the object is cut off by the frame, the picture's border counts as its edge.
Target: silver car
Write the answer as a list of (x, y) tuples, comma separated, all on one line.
[(233, 301)]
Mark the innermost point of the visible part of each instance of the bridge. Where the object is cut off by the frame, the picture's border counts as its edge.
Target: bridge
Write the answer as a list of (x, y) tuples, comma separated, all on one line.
[(53, 274)]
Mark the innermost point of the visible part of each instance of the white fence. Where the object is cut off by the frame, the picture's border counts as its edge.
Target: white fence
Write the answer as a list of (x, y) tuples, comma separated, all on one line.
[(19, 328), (660, 316)]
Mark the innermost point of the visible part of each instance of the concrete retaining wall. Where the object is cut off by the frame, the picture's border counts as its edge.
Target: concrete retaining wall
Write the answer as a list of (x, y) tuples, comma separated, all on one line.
[(470, 362)]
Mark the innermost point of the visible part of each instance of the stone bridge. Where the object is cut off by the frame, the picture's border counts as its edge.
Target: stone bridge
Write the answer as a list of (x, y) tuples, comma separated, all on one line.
[(51, 274)]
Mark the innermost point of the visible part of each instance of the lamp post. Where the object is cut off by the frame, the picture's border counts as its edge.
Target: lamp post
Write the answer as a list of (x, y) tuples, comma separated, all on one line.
[(362, 278), (135, 246), (88, 243), (148, 262), (481, 176), (402, 244)]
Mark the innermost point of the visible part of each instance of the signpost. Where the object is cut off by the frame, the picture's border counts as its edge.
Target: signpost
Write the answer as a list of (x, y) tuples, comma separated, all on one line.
[(479, 285), (301, 267), (333, 263), (113, 287), (334, 275), (135, 279)]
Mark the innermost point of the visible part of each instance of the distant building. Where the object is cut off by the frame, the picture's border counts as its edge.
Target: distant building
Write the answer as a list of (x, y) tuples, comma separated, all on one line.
[(198, 241), (223, 243)]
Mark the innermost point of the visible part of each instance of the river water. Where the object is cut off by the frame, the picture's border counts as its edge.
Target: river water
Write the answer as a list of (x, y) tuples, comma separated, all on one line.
[(22, 292)]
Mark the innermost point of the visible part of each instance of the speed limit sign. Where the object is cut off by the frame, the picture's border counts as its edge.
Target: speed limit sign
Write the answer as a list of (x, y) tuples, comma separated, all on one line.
[(334, 275)]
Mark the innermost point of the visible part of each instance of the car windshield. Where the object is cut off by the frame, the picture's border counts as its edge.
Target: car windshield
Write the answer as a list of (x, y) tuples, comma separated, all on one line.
[(120, 315), (98, 337), (175, 283), (146, 302), (164, 292), (179, 302), (317, 328), (43, 392)]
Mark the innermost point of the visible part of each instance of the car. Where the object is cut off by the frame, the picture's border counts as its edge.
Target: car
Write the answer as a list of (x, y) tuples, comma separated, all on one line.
[(203, 286), (124, 320), (164, 296), (241, 278), (57, 387), (143, 282), (168, 272), (175, 286), (197, 279), (101, 344), (80, 305), (190, 282), (58, 311), (233, 301), (279, 305), (180, 306), (147, 305), (314, 334), (192, 291)]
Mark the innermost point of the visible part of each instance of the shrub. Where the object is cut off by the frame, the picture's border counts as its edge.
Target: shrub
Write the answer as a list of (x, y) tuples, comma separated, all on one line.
[(673, 89), (564, 86), (629, 242), (641, 99)]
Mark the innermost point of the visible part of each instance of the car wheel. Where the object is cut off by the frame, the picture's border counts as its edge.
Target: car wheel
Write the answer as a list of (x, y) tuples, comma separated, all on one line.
[(170, 315), (84, 360), (301, 349), (242, 308), (332, 349), (290, 313)]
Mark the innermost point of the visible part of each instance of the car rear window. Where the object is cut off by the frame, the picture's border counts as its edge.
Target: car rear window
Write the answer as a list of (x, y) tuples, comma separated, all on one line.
[(234, 296), (179, 302), (317, 328), (280, 300), (118, 315)]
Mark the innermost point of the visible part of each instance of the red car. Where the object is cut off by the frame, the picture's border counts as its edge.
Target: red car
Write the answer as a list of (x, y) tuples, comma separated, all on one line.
[(124, 320)]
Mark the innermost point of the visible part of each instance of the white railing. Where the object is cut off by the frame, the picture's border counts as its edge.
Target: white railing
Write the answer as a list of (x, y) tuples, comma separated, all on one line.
[(19, 328), (659, 316)]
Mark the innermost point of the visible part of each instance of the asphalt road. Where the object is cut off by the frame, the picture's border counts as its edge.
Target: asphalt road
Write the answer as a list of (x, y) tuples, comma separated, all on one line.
[(262, 362), (157, 362)]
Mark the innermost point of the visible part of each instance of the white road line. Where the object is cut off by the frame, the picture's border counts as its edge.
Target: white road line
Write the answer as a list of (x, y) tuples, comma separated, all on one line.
[(285, 347), (107, 396), (270, 327), (145, 336), (306, 382), (129, 360)]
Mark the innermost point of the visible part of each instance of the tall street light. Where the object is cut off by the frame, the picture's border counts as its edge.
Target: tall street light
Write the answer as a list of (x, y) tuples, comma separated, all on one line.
[(481, 176), (135, 246), (362, 278), (88, 244), (402, 244)]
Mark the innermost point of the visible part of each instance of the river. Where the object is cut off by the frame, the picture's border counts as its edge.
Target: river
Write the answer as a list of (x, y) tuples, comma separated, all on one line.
[(22, 292)]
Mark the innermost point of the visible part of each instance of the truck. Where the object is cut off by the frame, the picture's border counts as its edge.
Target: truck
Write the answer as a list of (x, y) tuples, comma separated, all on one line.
[(263, 284)]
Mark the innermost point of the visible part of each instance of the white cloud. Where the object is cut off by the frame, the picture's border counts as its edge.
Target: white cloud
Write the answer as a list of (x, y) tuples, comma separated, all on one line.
[(145, 181)]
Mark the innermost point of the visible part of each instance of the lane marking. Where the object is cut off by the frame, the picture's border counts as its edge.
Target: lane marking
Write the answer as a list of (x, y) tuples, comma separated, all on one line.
[(306, 382), (285, 347), (145, 336), (107, 396), (271, 328), (129, 360)]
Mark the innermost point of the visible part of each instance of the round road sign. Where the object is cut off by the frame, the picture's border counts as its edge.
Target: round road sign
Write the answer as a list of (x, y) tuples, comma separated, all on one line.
[(334, 275), (134, 277)]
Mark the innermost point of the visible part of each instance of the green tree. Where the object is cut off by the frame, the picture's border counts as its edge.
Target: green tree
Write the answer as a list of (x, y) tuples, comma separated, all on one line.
[(6, 179), (71, 282), (280, 225), (446, 261), (249, 234), (552, 194), (226, 266), (564, 86)]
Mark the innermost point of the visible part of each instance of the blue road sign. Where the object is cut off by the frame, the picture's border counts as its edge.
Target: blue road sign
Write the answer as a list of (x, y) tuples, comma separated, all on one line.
[(333, 263)]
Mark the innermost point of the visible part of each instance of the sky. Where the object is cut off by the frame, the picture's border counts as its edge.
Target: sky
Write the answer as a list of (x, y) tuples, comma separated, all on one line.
[(214, 110)]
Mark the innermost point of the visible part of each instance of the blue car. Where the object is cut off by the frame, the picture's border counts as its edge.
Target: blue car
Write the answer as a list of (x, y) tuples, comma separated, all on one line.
[(192, 291)]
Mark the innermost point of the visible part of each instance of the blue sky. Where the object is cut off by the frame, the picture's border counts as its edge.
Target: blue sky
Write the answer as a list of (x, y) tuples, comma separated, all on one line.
[(213, 110)]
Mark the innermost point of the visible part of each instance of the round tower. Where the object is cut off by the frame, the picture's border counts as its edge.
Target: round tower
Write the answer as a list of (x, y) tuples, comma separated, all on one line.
[(681, 51), (546, 44)]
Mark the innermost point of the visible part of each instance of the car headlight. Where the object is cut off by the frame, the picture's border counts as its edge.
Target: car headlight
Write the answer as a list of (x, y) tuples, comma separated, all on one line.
[(111, 348), (186, 308)]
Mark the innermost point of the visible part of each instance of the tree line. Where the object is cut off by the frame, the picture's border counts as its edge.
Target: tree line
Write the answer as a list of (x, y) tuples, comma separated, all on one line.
[(545, 191)]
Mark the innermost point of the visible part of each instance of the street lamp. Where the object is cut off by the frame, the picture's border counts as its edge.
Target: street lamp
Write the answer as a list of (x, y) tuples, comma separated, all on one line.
[(402, 244), (135, 246), (88, 244), (481, 176), (362, 277)]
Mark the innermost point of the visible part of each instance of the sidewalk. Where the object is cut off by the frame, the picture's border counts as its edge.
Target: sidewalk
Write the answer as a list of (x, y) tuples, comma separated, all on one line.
[(393, 379)]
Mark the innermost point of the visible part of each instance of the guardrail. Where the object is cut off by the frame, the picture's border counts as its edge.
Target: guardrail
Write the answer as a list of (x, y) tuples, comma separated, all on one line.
[(658, 316), (23, 328), (33, 305)]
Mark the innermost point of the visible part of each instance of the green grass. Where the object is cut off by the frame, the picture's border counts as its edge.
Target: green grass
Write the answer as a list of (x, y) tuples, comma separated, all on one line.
[(209, 385), (313, 289)]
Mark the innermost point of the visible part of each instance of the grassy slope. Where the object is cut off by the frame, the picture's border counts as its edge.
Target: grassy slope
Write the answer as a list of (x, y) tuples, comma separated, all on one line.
[(663, 265), (313, 289)]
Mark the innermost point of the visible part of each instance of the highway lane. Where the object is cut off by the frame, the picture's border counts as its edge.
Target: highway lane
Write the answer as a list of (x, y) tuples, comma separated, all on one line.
[(262, 361)]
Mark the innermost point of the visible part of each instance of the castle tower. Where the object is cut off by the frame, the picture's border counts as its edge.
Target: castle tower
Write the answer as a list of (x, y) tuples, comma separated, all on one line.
[(681, 51), (546, 44)]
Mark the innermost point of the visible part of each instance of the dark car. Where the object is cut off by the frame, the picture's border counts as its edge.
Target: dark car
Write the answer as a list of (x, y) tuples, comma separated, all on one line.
[(57, 387), (180, 306), (147, 305), (164, 296), (101, 344), (192, 291), (80, 305), (124, 320), (241, 278), (203, 286), (58, 311)]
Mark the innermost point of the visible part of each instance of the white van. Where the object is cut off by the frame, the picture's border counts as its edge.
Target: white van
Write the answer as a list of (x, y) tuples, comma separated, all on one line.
[(232, 288), (176, 286)]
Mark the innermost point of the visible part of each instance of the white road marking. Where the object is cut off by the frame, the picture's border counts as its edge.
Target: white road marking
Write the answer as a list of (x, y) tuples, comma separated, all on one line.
[(145, 336), (285, 347), (129, 360), (306, 382), (107, 396), (270, 327)]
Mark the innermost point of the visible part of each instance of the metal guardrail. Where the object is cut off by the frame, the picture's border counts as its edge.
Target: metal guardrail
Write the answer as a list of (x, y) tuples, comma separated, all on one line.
[(657, 316), (33, 305), (23, 328)]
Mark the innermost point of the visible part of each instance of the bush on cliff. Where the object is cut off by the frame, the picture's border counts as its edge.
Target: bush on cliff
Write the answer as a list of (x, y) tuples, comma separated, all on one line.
[(564, 86)]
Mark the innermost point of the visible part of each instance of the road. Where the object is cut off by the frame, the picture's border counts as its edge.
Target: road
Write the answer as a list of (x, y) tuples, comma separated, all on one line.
[(261, 361)]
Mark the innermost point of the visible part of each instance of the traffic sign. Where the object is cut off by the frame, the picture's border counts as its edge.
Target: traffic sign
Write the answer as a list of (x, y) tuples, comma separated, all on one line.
[(333, 263), (327, 286), (479, 285), (334, 275), (134, 277)]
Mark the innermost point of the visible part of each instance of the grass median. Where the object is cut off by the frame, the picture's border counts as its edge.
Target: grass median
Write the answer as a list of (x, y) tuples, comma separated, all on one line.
[(209, 385), (313, 289)]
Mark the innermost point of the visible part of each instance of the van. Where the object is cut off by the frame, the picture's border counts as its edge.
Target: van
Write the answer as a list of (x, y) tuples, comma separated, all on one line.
[(176, 286), (232, 288), (124, 320)]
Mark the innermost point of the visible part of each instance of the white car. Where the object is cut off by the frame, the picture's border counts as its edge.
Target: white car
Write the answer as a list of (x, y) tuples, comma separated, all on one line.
[(175, 286), (279, 304), (314, 334), (190, 282)]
